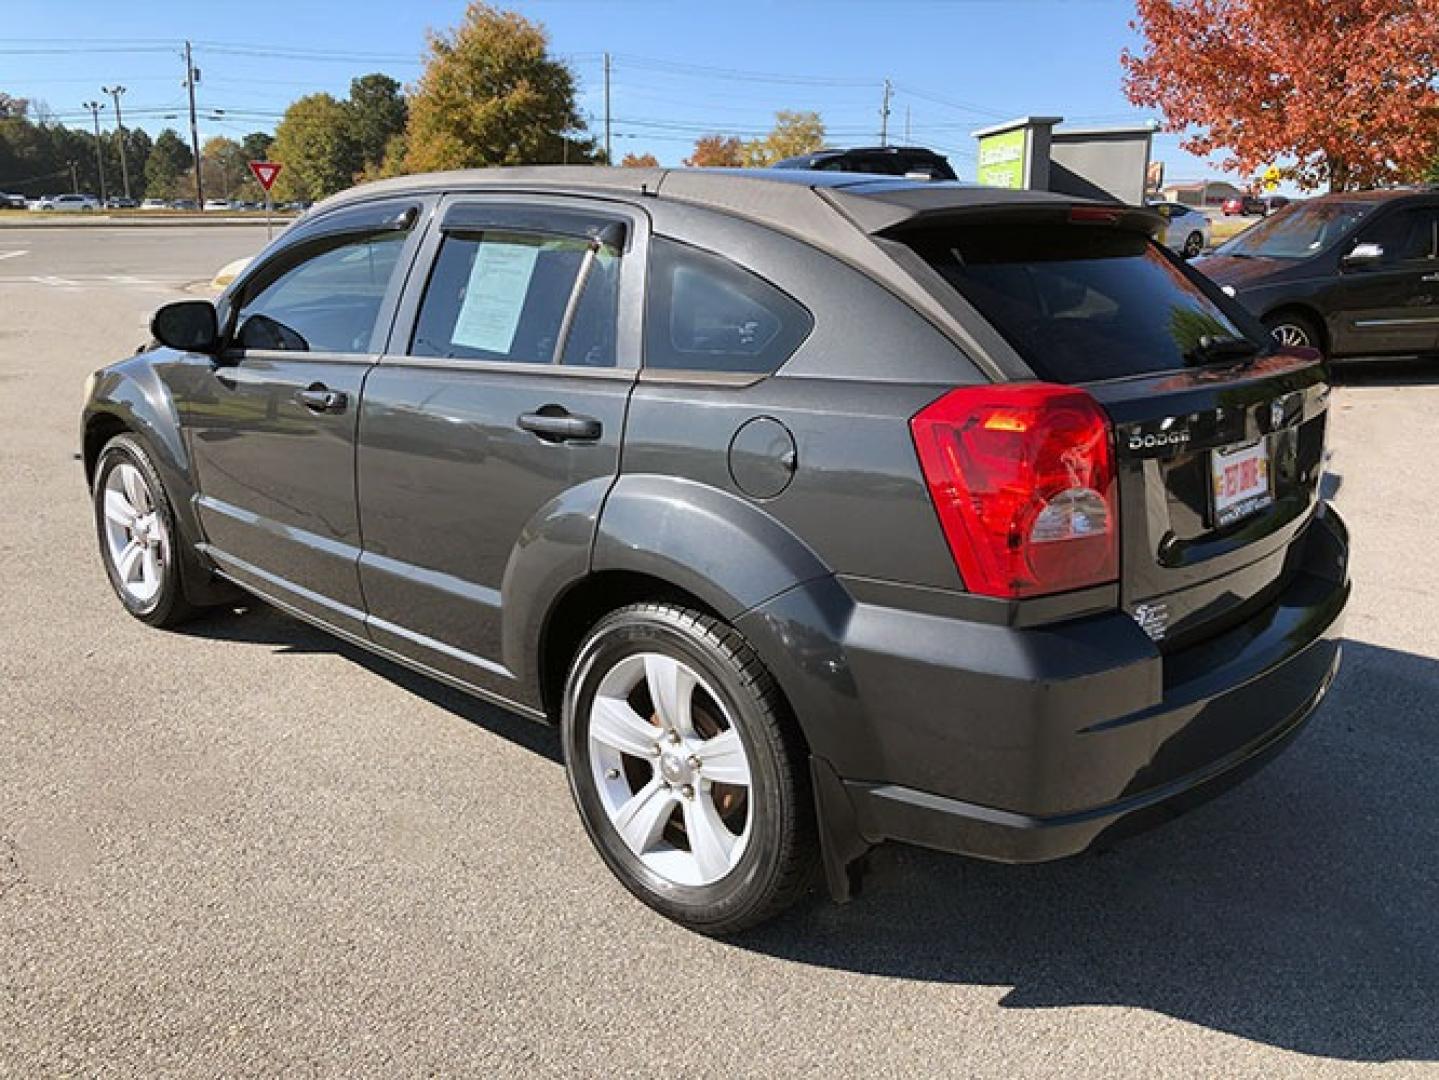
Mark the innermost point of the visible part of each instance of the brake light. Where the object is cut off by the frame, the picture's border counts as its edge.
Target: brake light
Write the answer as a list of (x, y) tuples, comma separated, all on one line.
[(1022, 478)]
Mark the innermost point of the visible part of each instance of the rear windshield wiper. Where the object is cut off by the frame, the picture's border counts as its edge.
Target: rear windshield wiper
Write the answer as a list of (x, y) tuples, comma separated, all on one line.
[(1210, 349)]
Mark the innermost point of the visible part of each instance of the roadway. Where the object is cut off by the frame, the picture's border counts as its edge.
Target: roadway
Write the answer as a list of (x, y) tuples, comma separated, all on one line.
[(246, 849)]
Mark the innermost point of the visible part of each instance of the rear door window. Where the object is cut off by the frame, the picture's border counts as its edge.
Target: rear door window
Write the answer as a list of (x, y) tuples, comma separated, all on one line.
[(504, 296), (705, 313), (1079, 302)]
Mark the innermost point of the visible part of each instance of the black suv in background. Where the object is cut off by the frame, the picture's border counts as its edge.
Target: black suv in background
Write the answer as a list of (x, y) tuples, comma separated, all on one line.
[(914, 162), (818, 510), (1354, 274)]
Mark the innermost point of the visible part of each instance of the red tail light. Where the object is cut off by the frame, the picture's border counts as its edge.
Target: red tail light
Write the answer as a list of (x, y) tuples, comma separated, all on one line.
[(1022, 477)]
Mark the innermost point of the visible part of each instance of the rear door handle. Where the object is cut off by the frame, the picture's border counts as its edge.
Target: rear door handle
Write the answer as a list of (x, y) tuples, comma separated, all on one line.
[(560, 426), (321, 399)]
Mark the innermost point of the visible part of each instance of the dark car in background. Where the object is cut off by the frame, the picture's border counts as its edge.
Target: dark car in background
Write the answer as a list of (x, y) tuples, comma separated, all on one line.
[(914, 162), (1353, 274), (817, 510)]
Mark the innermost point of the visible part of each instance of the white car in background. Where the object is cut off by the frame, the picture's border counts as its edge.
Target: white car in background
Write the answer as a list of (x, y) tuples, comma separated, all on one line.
[(66, 203), (1186, 230)]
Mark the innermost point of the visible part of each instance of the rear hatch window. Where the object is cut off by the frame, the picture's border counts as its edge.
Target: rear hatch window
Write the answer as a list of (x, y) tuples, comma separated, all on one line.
[(1080, 302)]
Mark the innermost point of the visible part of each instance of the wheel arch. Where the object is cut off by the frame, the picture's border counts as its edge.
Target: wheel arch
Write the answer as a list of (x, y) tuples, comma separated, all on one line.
[(660, 538), (130, 398)]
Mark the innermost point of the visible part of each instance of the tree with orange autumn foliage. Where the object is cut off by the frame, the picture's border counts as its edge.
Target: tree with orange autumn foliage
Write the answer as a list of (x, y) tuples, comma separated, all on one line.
[(1338, 91), (640, 161), (716, 151)]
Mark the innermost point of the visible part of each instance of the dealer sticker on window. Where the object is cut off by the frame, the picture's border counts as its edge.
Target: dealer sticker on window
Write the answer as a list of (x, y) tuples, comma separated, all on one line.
[(1241, 482)]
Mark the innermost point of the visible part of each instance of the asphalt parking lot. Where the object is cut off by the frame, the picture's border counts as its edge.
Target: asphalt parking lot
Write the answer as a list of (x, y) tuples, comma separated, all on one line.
[(246, 849)]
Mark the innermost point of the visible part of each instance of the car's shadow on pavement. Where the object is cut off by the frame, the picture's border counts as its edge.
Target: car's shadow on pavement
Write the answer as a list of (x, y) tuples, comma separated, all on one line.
[(1298, 910), (261, 624)]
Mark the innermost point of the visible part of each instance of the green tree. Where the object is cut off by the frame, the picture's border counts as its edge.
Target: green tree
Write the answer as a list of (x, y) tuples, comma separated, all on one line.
[(794, 133), (257, 145), (378, 112), (491, 94), (314, 143), (165, 169)]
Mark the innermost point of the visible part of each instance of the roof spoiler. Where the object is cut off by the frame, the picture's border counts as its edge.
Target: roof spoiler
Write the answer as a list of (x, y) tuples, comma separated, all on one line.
[(893, 213)]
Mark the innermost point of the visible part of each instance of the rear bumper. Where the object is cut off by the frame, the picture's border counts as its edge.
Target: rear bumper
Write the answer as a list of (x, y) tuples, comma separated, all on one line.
[(1029, 744), (892, 812)]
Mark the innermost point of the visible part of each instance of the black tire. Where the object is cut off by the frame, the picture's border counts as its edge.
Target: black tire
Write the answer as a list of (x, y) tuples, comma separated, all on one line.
[(168, 606), (780, 854), (1193, 245), (1294, 326)]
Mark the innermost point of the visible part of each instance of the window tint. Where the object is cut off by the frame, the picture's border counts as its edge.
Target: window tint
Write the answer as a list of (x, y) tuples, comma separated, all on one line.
[(704, 313), (323, 297), (1404, 235), (1079, 302), (499, 295)]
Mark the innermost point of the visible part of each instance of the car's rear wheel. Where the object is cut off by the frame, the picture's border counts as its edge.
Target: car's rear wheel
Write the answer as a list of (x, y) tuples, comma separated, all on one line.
[(1292, 329), (1193, 245), (138, 538), (687, 777)]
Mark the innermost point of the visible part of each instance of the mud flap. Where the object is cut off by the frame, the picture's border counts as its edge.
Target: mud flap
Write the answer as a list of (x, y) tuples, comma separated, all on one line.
[(842, 847)]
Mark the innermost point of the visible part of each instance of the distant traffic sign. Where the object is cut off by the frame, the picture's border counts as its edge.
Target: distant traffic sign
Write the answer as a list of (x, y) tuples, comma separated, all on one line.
[(265, 172)]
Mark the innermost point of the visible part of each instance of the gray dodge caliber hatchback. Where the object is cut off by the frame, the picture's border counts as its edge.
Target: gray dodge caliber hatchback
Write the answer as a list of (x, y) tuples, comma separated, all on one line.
[(818, 509)]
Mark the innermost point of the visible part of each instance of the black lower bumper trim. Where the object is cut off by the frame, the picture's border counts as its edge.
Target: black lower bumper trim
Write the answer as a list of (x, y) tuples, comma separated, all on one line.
[(888, 812)]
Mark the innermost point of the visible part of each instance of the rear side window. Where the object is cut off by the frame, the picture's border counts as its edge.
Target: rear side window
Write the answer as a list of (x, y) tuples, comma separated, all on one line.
[(499, 295), (1079, 302), (322, 297), (705, 313)]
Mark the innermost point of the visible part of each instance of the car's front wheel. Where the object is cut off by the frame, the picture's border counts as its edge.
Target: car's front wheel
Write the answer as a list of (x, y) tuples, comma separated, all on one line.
[(687, 776), (1193, 245), (138, 538)]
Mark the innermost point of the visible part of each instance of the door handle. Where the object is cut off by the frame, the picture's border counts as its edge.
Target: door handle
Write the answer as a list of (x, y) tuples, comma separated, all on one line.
[(1434, 278), (321, 399), (554, 424)]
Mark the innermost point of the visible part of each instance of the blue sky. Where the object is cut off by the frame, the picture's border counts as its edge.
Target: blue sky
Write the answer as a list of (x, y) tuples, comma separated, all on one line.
[(679, 68)]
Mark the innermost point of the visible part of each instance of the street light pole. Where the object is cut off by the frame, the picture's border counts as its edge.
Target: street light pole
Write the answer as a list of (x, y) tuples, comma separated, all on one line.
[(115, 92), (95, 107)]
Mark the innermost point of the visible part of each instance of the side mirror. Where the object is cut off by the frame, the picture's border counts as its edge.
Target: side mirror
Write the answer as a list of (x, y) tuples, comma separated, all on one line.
[(187, 325), (1364, 255)]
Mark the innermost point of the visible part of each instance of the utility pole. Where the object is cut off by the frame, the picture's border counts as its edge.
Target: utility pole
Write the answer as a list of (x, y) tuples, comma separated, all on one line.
[(609, 157), (95, 107), (115, 92), (884, 114), (74, 179), (191, 78)]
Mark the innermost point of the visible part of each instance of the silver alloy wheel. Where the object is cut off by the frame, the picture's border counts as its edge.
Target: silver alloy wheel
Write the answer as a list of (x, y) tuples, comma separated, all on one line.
[(1290, 334), (684, 760), (136, 541)]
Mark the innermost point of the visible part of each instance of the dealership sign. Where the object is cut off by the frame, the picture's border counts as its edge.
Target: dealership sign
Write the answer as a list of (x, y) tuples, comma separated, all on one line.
[(1001, 158)]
